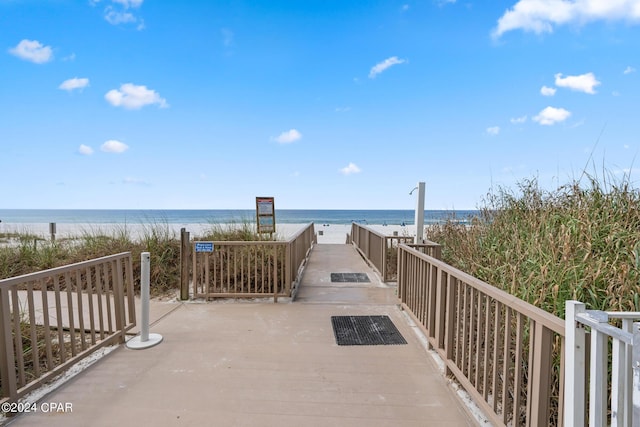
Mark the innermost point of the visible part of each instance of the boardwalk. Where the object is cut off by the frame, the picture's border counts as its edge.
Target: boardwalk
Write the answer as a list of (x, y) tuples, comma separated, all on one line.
[(265, 364)]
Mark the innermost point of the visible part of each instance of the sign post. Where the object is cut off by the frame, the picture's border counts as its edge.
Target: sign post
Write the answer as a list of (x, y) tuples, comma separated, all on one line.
[(265, 215)]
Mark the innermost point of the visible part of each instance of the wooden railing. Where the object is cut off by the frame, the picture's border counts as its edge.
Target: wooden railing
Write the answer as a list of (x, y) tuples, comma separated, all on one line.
[(504, 352), (52, 319), (298, 248), (382, 250), (611, 377), (250, 269)]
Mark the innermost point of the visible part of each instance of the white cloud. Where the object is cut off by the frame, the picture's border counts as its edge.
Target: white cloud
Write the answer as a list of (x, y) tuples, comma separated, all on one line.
[(382, 66), (120, 12), (519, 120), (577, 124), (625, 146), (113, 146), (85, 150), (32, 50), (135, 181), (342, 109), (493, 130), (405, 7), (133, 97), (74, 83), (582, 83), (547, 91), (629, 70), (114, 17), (129, 3), (541, 16), (551, 115), (349, 169), (288, 137)]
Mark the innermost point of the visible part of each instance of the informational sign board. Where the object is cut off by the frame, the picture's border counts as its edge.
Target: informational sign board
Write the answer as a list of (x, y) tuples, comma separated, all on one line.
[(204, 246), (265, 215)]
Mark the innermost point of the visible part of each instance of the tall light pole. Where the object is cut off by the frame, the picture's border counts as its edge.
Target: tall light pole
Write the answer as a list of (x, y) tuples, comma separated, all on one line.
[(419, 213)]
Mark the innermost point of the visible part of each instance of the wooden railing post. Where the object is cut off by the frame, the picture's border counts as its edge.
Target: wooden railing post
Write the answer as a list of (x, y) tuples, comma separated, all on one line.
[(402, 275), (540, 375), (185, 249), (290, 266), (449, 327), (441, 308), (118, 296), (7, 369), (274, 251), (385, 268)]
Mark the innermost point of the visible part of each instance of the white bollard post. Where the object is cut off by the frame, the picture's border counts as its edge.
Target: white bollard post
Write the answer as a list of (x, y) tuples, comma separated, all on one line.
[(144, 340), (145, 280)]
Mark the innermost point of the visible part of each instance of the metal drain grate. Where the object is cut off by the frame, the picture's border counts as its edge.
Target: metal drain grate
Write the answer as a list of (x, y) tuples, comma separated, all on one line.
[(350, 277), (365, 330)]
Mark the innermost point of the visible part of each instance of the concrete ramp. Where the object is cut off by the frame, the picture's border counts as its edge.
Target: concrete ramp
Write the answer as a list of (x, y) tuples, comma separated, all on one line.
[(263, 364), (316, 285)]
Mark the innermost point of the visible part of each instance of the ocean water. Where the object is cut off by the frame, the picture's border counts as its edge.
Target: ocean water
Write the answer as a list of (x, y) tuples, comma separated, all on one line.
[(223, 216)]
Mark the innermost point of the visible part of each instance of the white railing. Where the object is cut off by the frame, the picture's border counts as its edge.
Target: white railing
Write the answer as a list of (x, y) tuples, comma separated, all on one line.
[(624, 390)]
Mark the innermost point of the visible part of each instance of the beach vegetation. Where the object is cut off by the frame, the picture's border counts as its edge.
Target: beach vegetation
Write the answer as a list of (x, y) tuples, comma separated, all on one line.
[(25, 253), (236, 231), (242, 268), (580, 241)]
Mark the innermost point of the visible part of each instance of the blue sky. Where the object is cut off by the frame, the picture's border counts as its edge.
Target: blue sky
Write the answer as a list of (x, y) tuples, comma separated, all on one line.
[(322, 104)]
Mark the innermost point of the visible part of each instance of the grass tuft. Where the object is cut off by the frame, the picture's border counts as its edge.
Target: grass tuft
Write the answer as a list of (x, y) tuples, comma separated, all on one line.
[(26, 253), (581, 241)]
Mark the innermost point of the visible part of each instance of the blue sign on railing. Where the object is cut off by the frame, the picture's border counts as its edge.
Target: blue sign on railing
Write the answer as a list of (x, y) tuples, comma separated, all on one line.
[(204, 246)]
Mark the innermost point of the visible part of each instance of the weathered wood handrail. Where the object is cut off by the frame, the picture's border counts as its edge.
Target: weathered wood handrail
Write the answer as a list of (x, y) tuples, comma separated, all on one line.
[(51, 319), (500, 348), (382, 250), (251, 269)]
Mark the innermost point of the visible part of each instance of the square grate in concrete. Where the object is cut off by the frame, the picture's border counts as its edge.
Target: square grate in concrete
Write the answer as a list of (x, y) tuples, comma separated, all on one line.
[(350, 278), (365, 330)]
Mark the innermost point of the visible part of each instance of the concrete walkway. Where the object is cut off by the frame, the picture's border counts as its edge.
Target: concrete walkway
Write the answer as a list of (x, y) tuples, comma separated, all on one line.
[(265, 364)]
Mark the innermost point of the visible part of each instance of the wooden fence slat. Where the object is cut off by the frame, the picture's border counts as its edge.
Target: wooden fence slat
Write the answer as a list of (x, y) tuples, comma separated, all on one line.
[(60, 327), (7, 355)]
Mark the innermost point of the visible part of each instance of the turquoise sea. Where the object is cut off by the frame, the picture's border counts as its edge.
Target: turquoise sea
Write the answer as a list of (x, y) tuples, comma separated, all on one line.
[(223, 216)]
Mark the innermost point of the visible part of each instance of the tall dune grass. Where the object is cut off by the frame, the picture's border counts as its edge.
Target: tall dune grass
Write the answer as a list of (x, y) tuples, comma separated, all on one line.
[(581, 241), (27, 253)]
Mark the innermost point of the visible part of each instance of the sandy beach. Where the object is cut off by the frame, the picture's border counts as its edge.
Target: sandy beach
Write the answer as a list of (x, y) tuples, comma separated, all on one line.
[(326, 233)]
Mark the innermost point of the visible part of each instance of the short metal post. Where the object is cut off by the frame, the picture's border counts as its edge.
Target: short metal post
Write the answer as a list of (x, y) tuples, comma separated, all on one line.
[(145, 339)]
